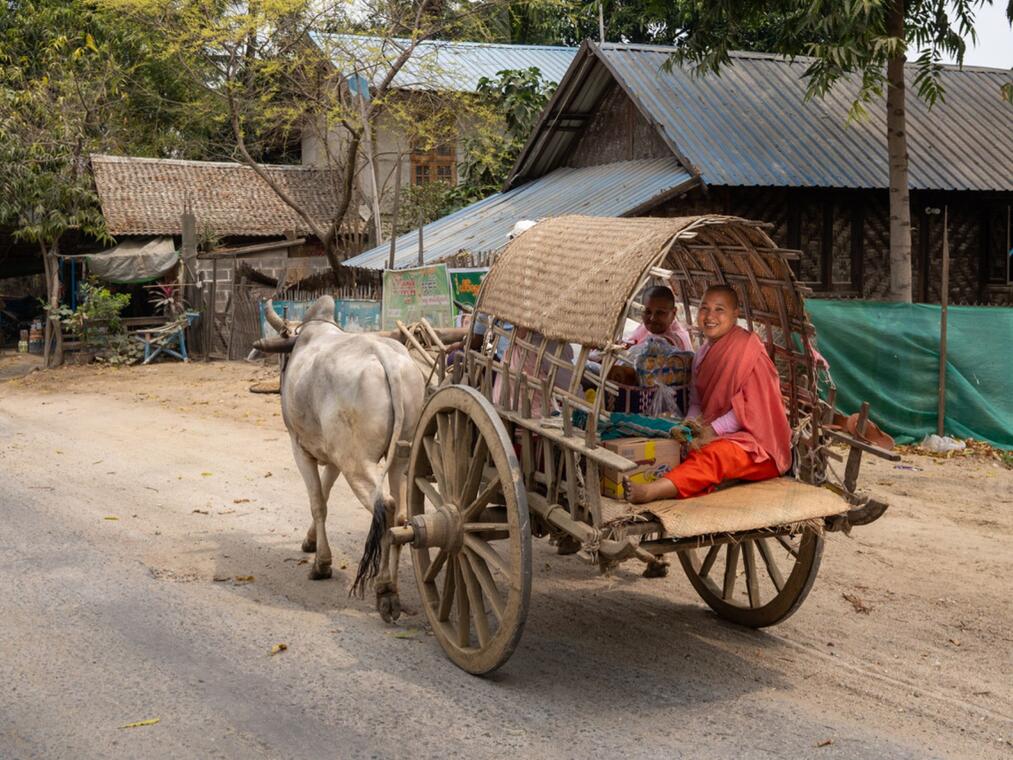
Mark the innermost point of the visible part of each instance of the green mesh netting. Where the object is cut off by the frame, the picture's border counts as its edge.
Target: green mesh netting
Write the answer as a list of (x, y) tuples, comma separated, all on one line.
[(888, 354)]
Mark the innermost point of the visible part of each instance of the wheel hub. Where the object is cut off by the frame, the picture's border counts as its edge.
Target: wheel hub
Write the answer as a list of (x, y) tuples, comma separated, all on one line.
[(442, 528)]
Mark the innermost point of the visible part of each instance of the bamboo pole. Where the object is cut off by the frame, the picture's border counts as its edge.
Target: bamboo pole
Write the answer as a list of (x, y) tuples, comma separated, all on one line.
[(944, 304), (397, 203), (421, 258)]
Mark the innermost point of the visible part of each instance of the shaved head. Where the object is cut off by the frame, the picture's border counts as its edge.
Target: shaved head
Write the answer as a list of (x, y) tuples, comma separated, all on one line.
[(727, 290)]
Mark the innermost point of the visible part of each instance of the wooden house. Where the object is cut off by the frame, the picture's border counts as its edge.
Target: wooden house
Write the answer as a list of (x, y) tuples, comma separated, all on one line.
[(625, 135)]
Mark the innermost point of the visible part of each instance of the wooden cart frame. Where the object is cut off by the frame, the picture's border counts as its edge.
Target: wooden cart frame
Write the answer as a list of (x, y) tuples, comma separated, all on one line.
[(498, 455)]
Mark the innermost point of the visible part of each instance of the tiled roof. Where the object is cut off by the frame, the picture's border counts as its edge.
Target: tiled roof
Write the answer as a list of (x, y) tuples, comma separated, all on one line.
[(145, 196)]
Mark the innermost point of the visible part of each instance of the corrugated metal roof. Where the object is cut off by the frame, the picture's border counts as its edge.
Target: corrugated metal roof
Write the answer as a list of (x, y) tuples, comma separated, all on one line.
[(751, 126), (608, 190), (443, 65)]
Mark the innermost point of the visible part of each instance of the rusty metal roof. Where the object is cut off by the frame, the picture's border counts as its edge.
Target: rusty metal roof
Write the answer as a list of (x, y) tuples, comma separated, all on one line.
[(618, 189), (441, 64), (145, 196), (751, 126)]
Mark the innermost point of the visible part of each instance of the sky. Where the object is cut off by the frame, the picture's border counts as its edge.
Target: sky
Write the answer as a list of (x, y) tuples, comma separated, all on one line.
[(995, 39)]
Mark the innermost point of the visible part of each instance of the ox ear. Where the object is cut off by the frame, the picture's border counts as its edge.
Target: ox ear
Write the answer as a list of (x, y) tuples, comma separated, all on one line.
[(321, 310)]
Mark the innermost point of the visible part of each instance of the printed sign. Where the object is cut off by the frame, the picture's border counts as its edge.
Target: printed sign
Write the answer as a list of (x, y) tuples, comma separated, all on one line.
[(466, 284), (357, 316), (413, 294), (352, 315)]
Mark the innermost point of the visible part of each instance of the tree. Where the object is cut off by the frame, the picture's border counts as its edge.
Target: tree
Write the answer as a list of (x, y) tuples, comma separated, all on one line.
[(72, 80), (865, 39), (284, 68), (518, 96)]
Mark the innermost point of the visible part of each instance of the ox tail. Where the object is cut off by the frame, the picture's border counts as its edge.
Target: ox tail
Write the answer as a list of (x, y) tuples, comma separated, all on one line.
[(369, 565)]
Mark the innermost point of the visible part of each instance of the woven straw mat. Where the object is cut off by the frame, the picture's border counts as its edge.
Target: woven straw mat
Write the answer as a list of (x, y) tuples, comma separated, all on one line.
[(748, 506), (570, 277)]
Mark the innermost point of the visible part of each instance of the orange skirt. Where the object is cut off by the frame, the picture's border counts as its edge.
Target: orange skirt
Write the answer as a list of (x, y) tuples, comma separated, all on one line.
[(715, 463)]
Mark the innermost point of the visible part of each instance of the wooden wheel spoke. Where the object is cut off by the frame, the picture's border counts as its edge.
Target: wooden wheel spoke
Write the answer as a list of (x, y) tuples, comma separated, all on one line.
[(485, 580), (752, 583), (447, 597), (462, 451), (731, 569), (435, 461), (463, 606), (445, 433), (708, 561), (475, 603), (786, 543), (768, 559), (479, 527), (476, 468), (482, 500), (430, 491), (489, 555), (434, 566)]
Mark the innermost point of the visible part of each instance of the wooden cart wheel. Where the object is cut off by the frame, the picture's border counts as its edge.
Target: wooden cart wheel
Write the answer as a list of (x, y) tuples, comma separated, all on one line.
[(755, 582), (472, 546)]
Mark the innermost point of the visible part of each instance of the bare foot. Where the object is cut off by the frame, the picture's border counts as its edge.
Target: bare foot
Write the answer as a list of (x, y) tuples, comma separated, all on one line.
[(636, 493), (641, 493)]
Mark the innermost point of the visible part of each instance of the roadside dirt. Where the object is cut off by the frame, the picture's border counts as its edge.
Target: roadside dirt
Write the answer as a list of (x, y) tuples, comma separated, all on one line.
[(903, 649)]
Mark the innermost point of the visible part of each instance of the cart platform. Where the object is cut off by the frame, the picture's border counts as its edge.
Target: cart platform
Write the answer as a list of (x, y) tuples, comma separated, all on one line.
[(740, 508)]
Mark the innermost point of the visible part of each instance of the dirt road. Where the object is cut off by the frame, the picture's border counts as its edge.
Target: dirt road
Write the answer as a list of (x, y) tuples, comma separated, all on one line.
[(150, 522)]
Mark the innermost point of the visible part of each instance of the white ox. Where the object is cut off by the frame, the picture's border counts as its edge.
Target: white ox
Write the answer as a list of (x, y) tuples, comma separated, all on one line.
[(347, 399)]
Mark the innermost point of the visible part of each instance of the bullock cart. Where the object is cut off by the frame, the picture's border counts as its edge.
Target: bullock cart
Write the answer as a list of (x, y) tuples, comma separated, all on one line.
[(510, 444)]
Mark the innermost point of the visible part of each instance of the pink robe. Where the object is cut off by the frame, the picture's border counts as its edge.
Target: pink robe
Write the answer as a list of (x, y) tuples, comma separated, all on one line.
[(737, 374)]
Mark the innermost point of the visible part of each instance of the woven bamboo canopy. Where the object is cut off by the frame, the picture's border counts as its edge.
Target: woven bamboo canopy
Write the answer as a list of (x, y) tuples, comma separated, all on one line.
[(571, 278)]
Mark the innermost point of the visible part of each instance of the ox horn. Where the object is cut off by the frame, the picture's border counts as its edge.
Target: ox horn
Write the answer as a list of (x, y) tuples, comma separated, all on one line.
[(274, 320)]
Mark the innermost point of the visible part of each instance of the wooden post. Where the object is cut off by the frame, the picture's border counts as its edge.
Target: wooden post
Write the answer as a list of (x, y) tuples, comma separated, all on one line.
[(212, 310), (397, 204), (944, 299), (421, 259), (188, 253)]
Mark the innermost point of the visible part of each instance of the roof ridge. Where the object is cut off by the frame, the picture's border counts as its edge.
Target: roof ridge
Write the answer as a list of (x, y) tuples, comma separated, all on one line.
[(108, 158), (462, 43), (779, 58)]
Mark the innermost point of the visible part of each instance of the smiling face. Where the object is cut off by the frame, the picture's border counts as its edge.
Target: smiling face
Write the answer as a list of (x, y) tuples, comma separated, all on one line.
[(658, 315), (717, 314)]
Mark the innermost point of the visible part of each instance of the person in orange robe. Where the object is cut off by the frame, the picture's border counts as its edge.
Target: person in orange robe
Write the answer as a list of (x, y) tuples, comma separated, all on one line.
[(737, 394)]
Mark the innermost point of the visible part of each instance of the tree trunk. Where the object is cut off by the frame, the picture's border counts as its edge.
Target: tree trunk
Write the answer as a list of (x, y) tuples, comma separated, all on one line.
[(53, 335), (896, 140)]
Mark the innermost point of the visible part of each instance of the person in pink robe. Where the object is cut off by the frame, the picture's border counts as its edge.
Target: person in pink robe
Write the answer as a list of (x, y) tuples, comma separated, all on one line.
[(737, 396)]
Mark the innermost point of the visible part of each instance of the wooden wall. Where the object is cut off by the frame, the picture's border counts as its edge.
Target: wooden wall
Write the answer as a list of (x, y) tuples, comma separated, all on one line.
[(617, 132), (844, 238)]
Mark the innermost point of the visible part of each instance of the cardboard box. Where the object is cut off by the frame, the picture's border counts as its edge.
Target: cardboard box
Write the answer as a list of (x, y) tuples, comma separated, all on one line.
[(654, 457)]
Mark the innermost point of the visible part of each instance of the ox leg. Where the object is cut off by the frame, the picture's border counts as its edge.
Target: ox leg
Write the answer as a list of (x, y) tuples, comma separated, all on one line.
[(318, 507), (364, 484), (331, 472), (396, 515)]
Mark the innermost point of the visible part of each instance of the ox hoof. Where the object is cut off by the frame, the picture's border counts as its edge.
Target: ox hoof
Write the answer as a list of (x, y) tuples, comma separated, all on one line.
[(320, 573), (309, 546), (388, 603), (656, 570)]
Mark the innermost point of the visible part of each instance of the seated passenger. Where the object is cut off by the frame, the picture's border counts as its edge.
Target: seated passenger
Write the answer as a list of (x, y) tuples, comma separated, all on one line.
[(658, 321), (736, 394)]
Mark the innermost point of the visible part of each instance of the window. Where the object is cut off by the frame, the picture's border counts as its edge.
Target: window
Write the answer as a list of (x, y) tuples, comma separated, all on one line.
[(997, 233), (438, 165)]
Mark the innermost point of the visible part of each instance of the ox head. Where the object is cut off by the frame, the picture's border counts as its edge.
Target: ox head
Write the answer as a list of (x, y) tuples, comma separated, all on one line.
[(322, 310)]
